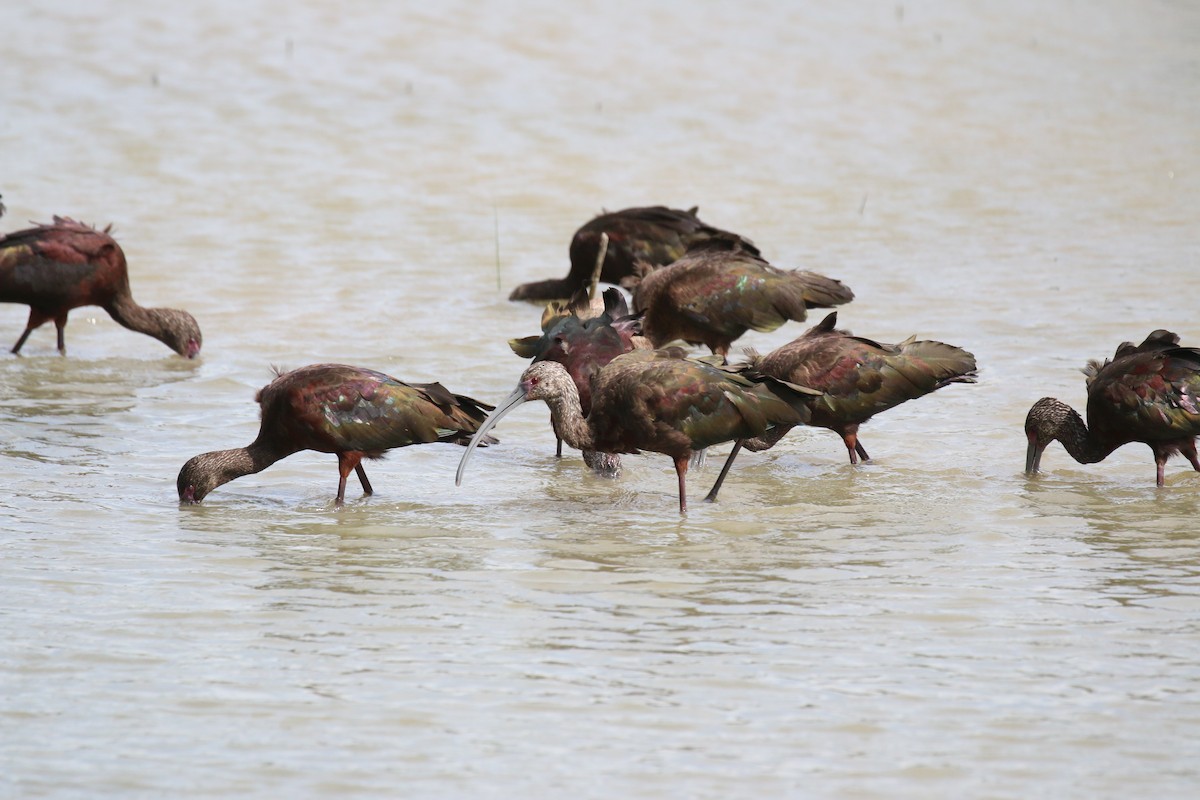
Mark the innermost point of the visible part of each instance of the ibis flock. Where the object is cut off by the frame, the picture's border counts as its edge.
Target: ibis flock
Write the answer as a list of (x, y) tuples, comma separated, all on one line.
[(615, 371)]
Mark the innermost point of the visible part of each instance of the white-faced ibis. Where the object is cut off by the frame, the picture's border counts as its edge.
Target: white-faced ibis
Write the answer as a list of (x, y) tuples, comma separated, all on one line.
[(583, 344), (721, 288), (655, 400), (858, 378), (1148, 393), (352, 412), (655, 235), (55, 268)]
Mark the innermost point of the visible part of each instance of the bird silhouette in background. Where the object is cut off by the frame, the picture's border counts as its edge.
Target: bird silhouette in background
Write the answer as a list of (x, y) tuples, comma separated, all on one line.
[(353, 412), (55, 268), (1148, 393)]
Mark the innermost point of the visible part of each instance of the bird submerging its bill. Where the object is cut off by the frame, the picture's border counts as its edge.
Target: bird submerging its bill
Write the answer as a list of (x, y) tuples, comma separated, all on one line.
[(1148, 393), (352, 412), (55, 268), (655, 400)]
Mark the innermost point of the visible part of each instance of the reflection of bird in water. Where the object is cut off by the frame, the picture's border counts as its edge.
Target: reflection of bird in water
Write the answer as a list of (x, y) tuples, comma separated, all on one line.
[(1149, 393), (722, 288), (352, 412), (858, 378), (655, 235), (55, 268), (655, 400)]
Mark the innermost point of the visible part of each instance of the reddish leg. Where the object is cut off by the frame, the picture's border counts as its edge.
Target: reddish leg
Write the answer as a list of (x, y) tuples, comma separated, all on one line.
[(1189, 452), (681, 467), (347, 462), (850, 439)]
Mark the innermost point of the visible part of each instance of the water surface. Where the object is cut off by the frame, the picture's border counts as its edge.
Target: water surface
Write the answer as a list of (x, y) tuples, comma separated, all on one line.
[(364, 184)]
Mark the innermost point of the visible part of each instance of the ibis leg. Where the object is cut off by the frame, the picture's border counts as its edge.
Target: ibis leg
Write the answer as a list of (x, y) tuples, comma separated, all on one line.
[(681, 468), (362, 478), (850, 438), (347, 463), (60, 324), (36, 320), (712, 494), (21, 341), (1189, 452)]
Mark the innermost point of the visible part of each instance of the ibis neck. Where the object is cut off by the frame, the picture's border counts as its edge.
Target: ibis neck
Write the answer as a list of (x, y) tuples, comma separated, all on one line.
[(125, 310), (566, 415), (226, 465), (1082, 444)]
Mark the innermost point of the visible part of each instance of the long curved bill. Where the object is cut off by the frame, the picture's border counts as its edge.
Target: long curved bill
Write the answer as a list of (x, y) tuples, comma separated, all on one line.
[(1033, 457), (512, 401)]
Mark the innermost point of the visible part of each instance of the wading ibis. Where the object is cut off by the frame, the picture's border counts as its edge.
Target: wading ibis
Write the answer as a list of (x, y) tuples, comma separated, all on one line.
[(721, 288), (55, 268), (583, 344), (655, 400), (1148, 393), (858, 378), (352, 412), (656, 235)]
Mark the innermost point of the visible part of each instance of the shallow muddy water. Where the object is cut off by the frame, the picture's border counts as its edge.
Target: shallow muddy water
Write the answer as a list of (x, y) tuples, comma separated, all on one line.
[(365, 183)]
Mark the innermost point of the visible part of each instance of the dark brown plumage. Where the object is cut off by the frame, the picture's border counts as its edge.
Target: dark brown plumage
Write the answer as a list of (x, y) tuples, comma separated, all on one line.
[(352, 412), (583, 345), (55, 268), (655, 235), (858, 378), (1148, 393), (722, 288), (654, 400)]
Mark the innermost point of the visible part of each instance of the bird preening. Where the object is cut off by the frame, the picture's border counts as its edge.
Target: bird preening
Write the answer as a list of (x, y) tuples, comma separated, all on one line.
[(64, 265), (1148, 393), (721, 288), (352, 412)]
